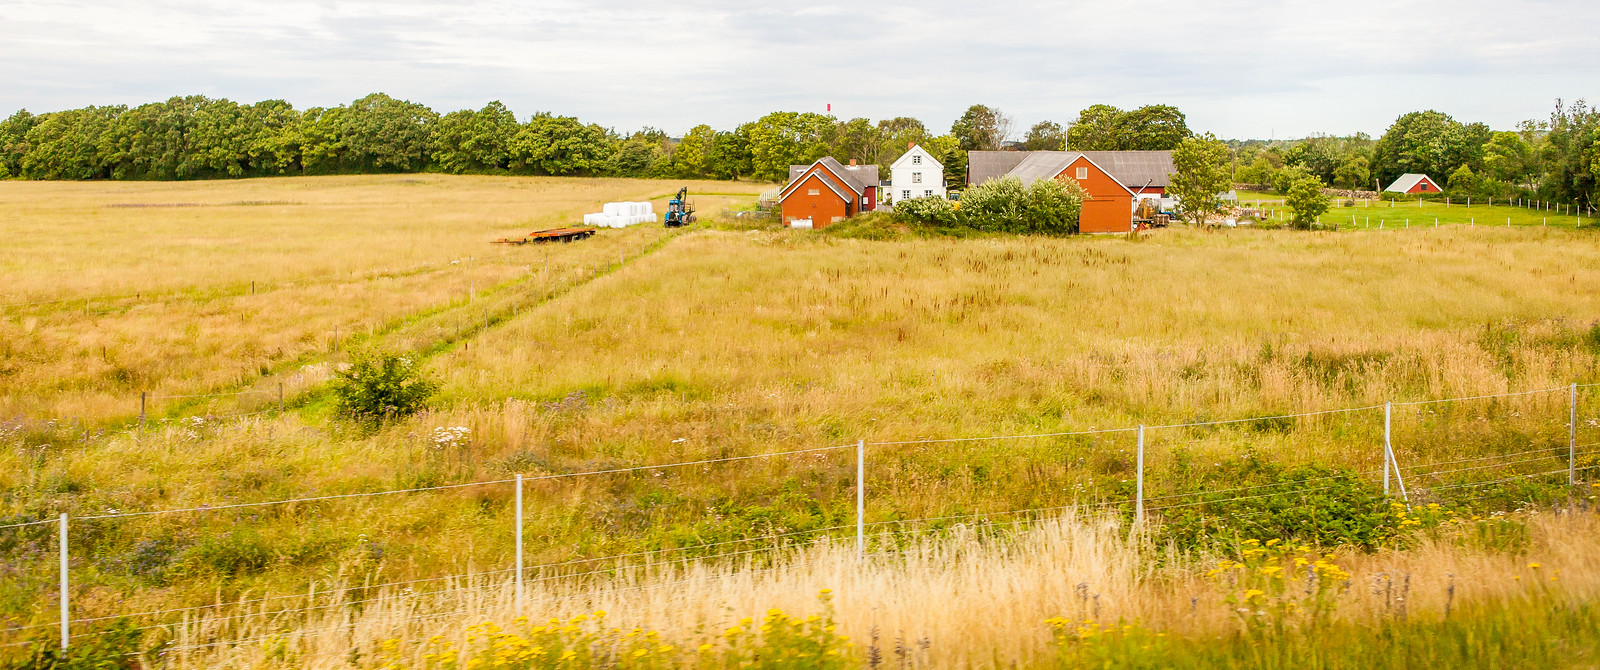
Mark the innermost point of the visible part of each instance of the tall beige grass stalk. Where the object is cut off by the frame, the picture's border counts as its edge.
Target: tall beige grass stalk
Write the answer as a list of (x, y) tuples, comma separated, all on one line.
[(976, 599)]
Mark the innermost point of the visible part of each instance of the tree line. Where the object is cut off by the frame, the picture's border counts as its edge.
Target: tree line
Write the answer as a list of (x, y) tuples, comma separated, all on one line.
[(1555, 160), (196, 137)]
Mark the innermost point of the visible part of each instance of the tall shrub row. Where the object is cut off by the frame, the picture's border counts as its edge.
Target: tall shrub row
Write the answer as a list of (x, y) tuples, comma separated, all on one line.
[(1005, 205)]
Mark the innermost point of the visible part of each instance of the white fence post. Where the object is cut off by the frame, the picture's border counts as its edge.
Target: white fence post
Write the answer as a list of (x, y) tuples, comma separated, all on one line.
[(1388, 459), (519, 545), (1572, 436), (861, 499), (1138, 468), (66, 607)]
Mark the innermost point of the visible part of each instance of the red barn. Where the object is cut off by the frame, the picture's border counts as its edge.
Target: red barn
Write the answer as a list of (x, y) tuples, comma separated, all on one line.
[(1413, 183), (1111, 180), (825, 192)]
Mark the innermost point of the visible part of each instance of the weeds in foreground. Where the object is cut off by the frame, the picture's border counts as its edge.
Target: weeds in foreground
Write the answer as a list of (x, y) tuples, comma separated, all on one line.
[(1536, 632), (777, 641)]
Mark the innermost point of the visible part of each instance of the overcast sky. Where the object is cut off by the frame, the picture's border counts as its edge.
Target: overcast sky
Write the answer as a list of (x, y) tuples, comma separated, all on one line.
[(1240, 68)]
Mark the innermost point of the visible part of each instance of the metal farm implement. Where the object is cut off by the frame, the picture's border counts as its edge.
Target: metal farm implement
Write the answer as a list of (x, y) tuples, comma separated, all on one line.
[(569, 234)]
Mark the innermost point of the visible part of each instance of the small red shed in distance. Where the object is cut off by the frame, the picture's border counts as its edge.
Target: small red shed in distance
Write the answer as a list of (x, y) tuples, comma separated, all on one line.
[(826, 192), (1413, 183)]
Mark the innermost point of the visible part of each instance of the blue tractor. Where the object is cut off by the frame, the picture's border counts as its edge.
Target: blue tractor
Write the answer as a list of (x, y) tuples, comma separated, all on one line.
[(680, 212)]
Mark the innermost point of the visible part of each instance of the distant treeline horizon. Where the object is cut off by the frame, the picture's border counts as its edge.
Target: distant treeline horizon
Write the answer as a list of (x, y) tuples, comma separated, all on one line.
[(196, 137)]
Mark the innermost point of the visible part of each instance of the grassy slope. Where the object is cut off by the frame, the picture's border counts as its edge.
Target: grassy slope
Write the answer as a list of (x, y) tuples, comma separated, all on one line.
[(726, 343), (251, 279)]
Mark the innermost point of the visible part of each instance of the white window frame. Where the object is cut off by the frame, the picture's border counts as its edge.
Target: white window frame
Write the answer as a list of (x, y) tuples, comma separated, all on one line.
[(916, 177), (905, 194), (1083, 173), (916, 159)]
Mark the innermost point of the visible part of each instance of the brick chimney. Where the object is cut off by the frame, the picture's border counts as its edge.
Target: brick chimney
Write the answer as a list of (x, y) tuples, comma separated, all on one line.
[(910, 143), (852, 162)]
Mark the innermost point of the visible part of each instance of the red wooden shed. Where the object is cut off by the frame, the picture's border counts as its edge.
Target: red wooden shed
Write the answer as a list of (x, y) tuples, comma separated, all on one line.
[(826, 192)]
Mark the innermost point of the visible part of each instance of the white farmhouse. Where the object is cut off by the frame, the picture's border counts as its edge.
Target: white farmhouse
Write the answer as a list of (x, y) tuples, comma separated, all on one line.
[(916, 175)]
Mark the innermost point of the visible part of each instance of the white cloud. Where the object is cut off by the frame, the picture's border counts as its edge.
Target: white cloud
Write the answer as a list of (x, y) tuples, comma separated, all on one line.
[(1239, 68)]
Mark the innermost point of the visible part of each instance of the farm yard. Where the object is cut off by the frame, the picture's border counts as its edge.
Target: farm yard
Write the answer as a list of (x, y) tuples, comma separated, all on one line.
[(581, 366)]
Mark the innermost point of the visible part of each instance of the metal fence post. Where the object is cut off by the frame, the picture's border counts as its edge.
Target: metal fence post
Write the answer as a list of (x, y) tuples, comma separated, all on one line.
[(519, 545), (66, 607), (141, 409), (861, 499), (1572, 436), (1138, 501), (1388, 458)]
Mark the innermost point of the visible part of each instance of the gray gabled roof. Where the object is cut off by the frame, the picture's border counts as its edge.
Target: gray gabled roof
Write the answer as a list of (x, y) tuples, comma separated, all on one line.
[(1134, 169), (856, 177), (985, 165), (833, 183), (1041, 165)]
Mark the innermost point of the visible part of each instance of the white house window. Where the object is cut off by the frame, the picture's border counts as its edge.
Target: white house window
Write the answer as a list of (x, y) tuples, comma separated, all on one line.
[(813, 192), (905, 195), (916, 160), (1083, 173), (916, 177), (928, 193)]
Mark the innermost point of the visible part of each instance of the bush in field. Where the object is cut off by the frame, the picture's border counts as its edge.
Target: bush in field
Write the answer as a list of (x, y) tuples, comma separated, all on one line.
[(1005, 205), (114, 647), (931, 210), (378, 386)]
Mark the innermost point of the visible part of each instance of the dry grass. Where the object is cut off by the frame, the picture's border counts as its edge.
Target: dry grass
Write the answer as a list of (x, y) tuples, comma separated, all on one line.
[(978, 602), (249, 279), (718, 343)]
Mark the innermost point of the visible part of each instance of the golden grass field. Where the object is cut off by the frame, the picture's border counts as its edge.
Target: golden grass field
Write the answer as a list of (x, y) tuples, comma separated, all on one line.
[(186, 288), (647, 346)]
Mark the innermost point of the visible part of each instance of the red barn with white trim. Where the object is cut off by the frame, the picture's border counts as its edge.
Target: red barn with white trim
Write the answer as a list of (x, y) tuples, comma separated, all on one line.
[(825, 192)]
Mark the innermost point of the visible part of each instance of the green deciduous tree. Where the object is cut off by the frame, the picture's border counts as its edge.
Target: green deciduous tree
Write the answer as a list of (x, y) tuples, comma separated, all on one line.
[(1353, 173), (1306, 199), (1154, 128), (896, 134), (1045, 136), (1285, 178), (691, 158), (1571, 151), (781, 139), (382, 134), (1200, 177), (1148, 128), (1430, 143), (1258, 172), (981, 128), (1098, 128), (1463, 182), (855, 139), (14, 142), (66, 145), (474, 141), (731, 155), (560, 145), (947, 150)]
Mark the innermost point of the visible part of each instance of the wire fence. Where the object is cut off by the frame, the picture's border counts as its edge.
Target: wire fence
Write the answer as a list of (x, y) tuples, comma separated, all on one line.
[(1476, 430)]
